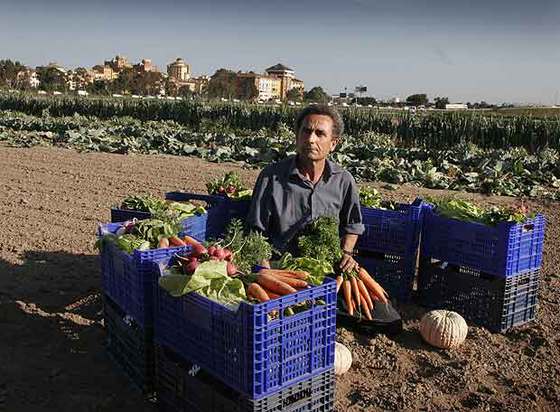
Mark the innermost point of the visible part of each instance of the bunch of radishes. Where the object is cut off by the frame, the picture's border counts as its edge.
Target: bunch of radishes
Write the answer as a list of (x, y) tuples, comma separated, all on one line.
[(200, 253)]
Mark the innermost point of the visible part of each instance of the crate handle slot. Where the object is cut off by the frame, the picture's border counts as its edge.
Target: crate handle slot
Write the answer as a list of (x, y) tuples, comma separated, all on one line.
[(528, 227), (290, 400)]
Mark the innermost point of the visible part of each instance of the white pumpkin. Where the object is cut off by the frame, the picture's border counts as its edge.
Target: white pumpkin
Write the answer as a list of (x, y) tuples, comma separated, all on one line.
[(342, 359), (443, 329)]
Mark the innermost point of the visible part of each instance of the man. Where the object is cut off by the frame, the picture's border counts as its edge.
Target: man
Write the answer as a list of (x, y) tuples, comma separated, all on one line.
[(295, 191)]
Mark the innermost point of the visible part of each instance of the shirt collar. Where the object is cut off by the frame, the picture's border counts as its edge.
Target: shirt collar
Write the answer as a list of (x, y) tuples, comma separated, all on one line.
[(331, 168)]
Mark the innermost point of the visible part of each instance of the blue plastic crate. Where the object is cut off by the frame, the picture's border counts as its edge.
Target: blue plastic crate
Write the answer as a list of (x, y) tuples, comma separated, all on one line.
[(496, 303), (128, 279), (185, 387), (394, 273), (122, 215), (245, 348), (394, 232), (194, 226), (130, 346), (221, 210), (502, 250)]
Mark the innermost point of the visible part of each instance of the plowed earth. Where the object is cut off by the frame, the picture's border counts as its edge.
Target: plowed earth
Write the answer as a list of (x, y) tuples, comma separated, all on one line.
[(52, 356)]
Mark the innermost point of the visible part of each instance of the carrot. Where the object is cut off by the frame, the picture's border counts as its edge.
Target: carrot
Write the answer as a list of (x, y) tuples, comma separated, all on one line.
[(372, 285), (339, 280), (271, 295), (256, 291), (190, 241), (163, 243), (347, 294), (365, 293), (296, 274), (355, 291), (295, 283), (176, 241), (365, 306), (274, 284)]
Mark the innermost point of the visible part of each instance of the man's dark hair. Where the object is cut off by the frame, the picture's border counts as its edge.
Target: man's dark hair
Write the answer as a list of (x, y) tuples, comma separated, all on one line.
[(322, 109)]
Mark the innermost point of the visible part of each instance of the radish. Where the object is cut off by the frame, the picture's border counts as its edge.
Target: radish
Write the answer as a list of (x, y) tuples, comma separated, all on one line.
[(231, 269), (212, 250), (220, 253), (192, 265), (198, 250)]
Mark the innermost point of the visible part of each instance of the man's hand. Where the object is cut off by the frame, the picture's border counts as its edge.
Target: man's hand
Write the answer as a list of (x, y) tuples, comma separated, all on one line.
[(347, 263)]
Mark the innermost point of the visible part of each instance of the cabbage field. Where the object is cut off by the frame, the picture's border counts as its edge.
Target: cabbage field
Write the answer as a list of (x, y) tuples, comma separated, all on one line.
[(505, 155)]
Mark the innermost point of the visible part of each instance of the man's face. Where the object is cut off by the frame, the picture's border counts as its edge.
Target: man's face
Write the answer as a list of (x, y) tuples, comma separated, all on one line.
[(315, 137)]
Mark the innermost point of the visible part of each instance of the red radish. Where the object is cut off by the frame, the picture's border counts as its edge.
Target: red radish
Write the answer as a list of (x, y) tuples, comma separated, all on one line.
[(212, 250), (227, 255), (198, 250), (231, 269), (192, 265), (219, 253)]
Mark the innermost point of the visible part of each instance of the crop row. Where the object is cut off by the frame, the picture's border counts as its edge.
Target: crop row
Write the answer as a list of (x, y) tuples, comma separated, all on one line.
[(436, 130)]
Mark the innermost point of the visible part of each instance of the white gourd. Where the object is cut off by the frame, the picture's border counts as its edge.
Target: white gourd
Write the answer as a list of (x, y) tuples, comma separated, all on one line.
[(342, 359), (443, 329)]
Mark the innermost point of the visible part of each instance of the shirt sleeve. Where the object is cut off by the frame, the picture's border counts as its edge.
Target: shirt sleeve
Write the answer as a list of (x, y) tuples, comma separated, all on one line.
[(351, 214), (259, 213)]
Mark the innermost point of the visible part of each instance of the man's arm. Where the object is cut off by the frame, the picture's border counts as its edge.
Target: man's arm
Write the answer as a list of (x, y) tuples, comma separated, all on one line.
[(352, 226), (258, 216)]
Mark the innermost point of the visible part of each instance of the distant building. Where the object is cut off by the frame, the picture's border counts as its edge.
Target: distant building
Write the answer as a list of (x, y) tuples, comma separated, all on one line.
[(118, 63), (196, 85), (145, 66), (456, 106), (287, 79), (179, 70), (267, 87), (29, 78), (104, 72)]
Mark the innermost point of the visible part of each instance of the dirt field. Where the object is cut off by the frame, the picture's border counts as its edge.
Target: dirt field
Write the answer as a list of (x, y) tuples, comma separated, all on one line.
[(51, 334)]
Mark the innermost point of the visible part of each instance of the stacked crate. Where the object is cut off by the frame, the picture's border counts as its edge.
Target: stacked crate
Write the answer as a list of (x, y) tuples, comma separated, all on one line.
[(257, 357), (388, 248), (488, 274), (128, 289)]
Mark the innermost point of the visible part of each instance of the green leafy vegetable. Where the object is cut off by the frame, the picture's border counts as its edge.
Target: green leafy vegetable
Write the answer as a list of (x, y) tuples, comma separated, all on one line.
[(210, 279), (463, 210), (248, 249), (321, 240)]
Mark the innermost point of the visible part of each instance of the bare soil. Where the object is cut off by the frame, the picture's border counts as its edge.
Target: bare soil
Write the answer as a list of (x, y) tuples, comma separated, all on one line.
[(51, 330)]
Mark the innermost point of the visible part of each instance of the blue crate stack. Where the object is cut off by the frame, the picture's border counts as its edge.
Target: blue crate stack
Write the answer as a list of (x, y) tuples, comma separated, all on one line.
[(128, 289), (256, 350), (210, 357), (488, 274), (389, 247)]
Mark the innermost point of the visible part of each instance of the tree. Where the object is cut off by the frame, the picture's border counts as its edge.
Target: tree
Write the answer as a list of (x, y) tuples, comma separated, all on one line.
[(317, 95), (247, 89), (441, 102), (52, 79), (294, 94), (185, 91), (223, 83), (417, 99), (102, 87), (9, 71), (365, 101)]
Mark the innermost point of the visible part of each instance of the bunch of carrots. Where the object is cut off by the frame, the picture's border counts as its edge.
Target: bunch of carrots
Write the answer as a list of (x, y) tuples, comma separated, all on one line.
[(274, 283), (360, 290)]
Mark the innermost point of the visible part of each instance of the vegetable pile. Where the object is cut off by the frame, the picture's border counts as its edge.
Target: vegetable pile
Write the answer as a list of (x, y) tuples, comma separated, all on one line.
[(371, 197), (230, 186), (160, 208), (467, 211), (359, 290)]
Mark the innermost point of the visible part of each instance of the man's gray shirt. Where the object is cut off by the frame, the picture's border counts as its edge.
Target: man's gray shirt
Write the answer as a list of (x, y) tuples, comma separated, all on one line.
[(284, 201)]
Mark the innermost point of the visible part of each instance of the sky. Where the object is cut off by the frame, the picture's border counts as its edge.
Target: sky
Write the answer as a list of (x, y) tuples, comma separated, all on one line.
[(469, 50)]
